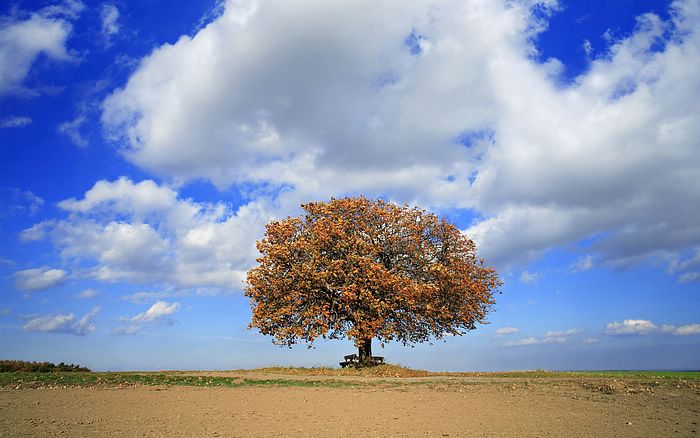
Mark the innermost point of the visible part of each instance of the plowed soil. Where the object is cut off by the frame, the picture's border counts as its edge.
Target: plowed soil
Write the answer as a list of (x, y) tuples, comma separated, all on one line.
[(406, 407)]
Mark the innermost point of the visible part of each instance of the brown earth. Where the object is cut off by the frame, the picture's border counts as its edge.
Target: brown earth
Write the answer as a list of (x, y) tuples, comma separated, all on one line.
[(449, 406)]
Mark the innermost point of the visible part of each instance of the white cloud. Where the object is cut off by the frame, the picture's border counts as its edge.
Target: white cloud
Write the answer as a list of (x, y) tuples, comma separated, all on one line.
[(22, 40), (523, 342), (71, 129), (343, 114), (690, 329), (560, 337), (109, 14), (630, 100), (39, 278), (87, 293), (141, 232), (63, 323), (590, 341), (70, 9), (630, 327), (326, 99), (15, 122), (564, 333), (551, 337), (157, 312), (643, 327), (507, 331), (683, 330), (530, 277), (125, 251), (124, 196), (35, 232)]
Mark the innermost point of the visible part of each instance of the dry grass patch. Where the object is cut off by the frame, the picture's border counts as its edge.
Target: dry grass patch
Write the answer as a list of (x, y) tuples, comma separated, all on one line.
[(386, 370)]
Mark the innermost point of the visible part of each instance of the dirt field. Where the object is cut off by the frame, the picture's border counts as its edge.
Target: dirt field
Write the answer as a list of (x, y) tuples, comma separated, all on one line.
[(421, 407)]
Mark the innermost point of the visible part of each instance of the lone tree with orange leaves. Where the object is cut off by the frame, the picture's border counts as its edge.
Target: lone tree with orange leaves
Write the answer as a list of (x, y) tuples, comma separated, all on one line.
[(363, 269)]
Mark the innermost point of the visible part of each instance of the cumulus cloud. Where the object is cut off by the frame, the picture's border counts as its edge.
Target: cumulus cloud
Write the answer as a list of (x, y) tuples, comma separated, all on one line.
[(560, 337), (551, 337), (683, 330), (39, 278), (159, 311), (632, 96), (507, 331), (442, 105), (630, 327), (22, 40), (123, 195), (35, 232), (63, 323), (643, 327), (143, 233)]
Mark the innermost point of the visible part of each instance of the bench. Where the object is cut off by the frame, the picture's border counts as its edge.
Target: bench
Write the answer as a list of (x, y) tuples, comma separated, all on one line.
[(350, 360), (353, 360)]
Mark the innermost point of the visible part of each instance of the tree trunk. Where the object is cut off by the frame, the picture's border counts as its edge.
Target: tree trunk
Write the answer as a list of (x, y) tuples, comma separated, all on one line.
[(364, 348)]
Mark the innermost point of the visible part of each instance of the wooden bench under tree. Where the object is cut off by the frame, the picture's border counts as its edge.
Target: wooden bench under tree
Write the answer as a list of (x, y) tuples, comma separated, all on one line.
[(352, 360)]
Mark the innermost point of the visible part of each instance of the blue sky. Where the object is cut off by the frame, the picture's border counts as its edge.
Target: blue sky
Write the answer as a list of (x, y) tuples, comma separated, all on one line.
[(144, 145)]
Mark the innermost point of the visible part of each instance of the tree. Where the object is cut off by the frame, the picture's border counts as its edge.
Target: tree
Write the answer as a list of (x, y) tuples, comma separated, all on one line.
[(366, 269)]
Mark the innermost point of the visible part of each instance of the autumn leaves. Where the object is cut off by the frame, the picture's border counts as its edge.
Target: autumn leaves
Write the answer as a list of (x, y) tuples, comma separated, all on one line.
[(366, 269)]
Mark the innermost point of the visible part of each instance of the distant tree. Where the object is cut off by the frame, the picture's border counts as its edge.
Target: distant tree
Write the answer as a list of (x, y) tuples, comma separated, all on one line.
[(38, 367), (366, 269)]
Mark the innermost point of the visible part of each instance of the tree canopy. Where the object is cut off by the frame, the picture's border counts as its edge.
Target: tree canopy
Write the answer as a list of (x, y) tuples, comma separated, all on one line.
[(367, 269)]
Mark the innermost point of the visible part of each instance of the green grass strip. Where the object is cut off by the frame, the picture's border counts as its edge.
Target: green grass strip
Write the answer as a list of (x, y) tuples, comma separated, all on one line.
[(115, 379), (28, 379)]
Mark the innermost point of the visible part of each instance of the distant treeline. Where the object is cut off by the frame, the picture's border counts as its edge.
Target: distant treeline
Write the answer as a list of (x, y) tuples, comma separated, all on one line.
[(37, 367)]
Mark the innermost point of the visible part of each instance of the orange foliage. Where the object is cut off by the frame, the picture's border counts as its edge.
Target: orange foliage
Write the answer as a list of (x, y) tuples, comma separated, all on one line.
[(366, 269)]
